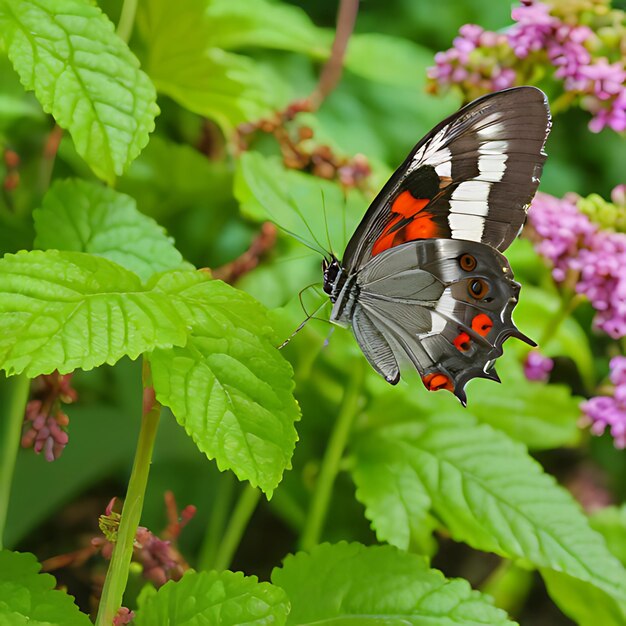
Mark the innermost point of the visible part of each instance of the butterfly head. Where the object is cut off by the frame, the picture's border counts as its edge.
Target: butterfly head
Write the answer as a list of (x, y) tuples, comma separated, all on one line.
[(333, 276)]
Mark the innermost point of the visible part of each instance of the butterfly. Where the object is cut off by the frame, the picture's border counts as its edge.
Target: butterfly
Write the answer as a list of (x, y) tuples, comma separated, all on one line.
[(423, 277)]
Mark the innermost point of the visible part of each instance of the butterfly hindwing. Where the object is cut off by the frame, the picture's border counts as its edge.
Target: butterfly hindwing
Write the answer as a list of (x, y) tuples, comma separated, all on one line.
[(472, 177), (444, 305)]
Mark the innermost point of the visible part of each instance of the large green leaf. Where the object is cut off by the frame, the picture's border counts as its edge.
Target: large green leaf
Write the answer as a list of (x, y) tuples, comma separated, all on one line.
[(226, 87), (84, 75), (229, 386), (387, 60), (610, 522), (539, 415), (224, 598), (483, 487), (349, 584), (256, 23), (86, 217), (68, 310), (29, 598), (311, 208)]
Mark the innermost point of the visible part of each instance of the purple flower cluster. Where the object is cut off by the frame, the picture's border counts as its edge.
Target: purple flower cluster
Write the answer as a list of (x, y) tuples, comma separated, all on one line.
[(481, 61), (578, 247), (537, 367), (45, 431), (478, 73), (45, 424), (604, 412)]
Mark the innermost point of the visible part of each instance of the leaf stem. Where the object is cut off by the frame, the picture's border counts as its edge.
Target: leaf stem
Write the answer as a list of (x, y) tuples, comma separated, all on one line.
[(569, 302), (127, 20), (217, 522), (18, 396), (318, 511), (117, 574), (236, 527), (331, 73)]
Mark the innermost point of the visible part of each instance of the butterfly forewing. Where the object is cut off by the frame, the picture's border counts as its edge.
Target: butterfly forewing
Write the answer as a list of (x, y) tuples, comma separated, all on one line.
[(472, 177)]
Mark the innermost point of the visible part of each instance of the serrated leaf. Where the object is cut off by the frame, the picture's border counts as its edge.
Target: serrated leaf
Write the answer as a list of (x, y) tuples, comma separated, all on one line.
[(86, 217), (224, 598), (229, 386), (539, 415), (28, 597), (68, 310), (349, 583), (486, 491), (228, 88), (84, 75)]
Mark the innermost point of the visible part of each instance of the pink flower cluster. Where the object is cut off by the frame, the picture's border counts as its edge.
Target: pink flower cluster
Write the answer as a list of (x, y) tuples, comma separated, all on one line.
[(578, 247), (481, 61), (604, 412), (45, 423), (537, 367)]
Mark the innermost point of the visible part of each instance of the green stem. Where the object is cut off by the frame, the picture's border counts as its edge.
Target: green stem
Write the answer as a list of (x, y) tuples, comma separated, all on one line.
[(569, 302), (217, 522), (237, 525), (127, 20), (117, 574), (318, 511), (18, 396)]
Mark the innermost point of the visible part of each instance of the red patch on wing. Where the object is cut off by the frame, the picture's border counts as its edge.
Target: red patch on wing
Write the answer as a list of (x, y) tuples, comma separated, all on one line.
[(436, 381), (420, 226), (462, 342), (482, 324)]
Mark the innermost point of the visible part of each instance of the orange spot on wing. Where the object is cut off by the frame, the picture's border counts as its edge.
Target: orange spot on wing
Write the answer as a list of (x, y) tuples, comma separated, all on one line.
[(482, 324), (406, 207), (462, 342), (436, 381)]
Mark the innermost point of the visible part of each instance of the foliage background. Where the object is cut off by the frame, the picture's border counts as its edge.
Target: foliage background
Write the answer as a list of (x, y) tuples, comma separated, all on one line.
[(188, 182)]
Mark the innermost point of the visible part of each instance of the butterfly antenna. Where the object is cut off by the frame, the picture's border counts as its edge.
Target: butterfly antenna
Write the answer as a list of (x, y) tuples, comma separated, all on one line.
[(294, 206), (320, 250), (330, 245), (309, 316), (344, 210)]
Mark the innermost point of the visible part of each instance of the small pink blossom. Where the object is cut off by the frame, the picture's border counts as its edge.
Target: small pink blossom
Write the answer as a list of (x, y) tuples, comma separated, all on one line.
[(537, 367)]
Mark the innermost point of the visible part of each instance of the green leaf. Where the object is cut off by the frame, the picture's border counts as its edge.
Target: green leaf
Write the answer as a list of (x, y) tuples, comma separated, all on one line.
[(226, 87), (351, 584), (229, 386), (68, 310), (539, 415), (610, 522), (224, 598), (387, 60), (483, 487), (84, 75), (585, 604), (85, 217), (295, 201), (28, 597), (255, 23)]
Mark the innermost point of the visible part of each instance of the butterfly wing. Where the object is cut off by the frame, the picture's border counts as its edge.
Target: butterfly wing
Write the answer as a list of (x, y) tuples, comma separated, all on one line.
[(445, 305), (472, 177)]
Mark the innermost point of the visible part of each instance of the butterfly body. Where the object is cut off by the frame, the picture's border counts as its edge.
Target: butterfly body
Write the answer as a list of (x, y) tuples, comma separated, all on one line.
[(423, 279)]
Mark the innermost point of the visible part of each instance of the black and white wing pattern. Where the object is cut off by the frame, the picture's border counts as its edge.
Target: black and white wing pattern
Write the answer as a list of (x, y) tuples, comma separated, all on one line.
[(472, 178), (444, 305)]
